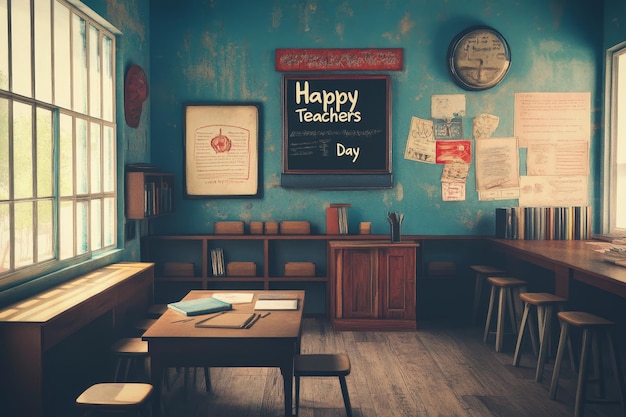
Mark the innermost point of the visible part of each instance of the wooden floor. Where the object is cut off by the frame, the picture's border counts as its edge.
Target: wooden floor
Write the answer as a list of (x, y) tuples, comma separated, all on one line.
[(440, 370)]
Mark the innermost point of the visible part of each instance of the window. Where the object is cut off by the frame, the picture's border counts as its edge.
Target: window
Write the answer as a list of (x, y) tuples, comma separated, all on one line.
[(58, 199)]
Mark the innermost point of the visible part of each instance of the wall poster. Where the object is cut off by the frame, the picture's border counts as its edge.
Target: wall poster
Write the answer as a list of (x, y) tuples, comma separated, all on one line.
[(221, 150)]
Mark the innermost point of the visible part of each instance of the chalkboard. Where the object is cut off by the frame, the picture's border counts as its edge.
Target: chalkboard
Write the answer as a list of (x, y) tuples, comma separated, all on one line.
[(336, 124)]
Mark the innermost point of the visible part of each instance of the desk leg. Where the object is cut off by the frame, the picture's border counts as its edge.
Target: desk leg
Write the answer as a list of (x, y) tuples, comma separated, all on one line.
[(156, 377), (287, 372)]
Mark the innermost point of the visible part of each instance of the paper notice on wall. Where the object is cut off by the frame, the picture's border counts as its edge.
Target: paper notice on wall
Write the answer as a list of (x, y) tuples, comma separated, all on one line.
[(453, 191), (557, 157), (552, 116), (537, 191), (447, 112), (497, 164), (420, 144), (485, 125)]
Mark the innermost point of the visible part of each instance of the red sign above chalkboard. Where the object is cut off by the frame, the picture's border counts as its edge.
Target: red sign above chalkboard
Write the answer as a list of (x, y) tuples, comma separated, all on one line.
[(339, 59)]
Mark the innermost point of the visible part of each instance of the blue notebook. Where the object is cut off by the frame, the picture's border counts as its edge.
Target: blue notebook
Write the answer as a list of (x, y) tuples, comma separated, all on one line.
[(200, 306)]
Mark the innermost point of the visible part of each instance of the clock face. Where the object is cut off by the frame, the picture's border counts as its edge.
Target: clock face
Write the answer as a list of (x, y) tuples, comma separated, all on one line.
[(478, 58)]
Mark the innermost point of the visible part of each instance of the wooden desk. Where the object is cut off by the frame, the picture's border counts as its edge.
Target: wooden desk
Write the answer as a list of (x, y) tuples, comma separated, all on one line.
[(29, 328), (569, 260), (272, 341)]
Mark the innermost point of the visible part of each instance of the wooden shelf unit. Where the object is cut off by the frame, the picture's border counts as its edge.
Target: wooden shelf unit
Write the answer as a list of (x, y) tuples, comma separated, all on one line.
[(149, 194)]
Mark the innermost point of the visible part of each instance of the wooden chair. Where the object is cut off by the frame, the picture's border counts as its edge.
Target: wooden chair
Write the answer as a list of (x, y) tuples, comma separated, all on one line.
[(592, 327), (506, 287), (116, 397), (542, 306), (128, 351), (482, 272), (323, 365)]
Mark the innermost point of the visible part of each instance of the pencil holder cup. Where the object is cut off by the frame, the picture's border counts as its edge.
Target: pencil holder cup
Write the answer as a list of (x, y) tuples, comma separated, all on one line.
[(395, 232)]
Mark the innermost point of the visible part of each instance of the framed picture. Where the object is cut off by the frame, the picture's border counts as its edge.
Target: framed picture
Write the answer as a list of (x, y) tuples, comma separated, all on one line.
[(221, 150)]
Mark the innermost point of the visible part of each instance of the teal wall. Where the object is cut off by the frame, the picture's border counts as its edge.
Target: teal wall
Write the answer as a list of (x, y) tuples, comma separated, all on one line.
[(223, 51)]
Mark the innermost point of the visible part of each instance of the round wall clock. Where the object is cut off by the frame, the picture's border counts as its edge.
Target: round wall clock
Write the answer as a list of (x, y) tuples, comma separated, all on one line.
[(135, 93), (478, 58)]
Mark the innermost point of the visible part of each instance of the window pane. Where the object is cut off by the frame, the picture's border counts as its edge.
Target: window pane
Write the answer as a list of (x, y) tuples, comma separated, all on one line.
[(66, 156), (95, 158), (82, 178), (79, 36), (45, 231), (107, 78), (62, 73), (4, 149), (96, 224), (5, 241), (20, 47), (108, 160), (82, 227), (23, 234), (43, 52), (4, 50), (66, 230), (619, 147), (95, 109), (109, 221), (23, 150), (44, 153)]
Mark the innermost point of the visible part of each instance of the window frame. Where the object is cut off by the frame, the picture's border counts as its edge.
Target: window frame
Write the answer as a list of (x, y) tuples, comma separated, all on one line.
[(107, 125)]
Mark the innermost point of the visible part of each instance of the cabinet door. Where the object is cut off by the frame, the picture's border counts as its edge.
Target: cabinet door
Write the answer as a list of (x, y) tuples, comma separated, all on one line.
[(397, 283), (359, 283)]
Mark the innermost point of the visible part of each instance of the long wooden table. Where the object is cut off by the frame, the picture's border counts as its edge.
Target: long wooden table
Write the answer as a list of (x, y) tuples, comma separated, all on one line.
[(569, 260), (32, 327), (272, 341)]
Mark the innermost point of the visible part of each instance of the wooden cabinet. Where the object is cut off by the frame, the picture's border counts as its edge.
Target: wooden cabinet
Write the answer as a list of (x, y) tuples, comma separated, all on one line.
[(149, 194), (373, 285)]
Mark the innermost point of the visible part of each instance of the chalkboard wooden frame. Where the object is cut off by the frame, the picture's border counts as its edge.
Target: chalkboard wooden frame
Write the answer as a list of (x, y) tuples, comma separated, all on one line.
[(313, 146)]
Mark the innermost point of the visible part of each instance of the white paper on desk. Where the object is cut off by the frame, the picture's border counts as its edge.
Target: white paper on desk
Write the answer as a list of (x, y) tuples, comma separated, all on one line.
[(234, 297), (276, 304)]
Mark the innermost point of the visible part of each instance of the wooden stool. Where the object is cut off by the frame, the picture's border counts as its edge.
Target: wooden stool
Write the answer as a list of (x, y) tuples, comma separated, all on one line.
[(116, 397), (542, 305), (592, 327), (128, 351), (506, 286), (323, 365), (482, 272)]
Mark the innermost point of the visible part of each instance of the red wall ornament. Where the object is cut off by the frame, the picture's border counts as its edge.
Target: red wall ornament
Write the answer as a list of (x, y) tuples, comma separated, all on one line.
[(339, 59), (135, 93)]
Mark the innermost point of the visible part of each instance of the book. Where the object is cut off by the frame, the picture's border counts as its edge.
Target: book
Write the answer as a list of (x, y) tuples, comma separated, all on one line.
[(337, 219), (229, 320), (276, 304), (200, 306)]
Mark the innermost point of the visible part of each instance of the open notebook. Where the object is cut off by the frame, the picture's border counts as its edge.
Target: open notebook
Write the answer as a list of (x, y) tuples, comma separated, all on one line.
[(228, 319)]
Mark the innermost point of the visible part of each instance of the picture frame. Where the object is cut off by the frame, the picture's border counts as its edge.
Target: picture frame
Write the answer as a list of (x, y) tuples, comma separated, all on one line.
[(221, 150)]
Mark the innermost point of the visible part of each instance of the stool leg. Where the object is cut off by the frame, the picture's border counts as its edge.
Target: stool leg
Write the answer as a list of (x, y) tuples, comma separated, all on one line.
[(596, 348), (520, 335), (500, 324), (544, 345), (617, 370), (297, 394), (346, 398), (478, 289), (581, 387), (207, 379), (492, 297), (511, 307), (559, 357)]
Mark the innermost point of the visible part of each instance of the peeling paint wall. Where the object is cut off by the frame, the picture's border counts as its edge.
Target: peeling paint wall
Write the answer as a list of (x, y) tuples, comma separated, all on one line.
[(223, 51)]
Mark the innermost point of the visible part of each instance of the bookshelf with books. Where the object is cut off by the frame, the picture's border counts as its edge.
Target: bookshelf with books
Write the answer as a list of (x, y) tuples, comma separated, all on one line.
[(544, 223), (149, 194), (337, 219)]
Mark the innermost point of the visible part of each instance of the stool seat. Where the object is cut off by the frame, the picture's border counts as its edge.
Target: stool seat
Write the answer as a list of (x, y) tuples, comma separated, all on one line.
[(113, 396), (128, 350), (323, 365), (592, 327), (482, 272), (506, 282), (505, 286), (541, 298)]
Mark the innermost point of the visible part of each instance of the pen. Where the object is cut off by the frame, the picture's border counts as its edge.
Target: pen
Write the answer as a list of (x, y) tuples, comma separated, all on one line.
[(181, 320), (254, 320), (265, 314)]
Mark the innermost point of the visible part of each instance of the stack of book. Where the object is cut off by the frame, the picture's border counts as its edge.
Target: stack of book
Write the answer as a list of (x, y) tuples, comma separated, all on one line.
[(337, 219), (544, 223), (217, 262)]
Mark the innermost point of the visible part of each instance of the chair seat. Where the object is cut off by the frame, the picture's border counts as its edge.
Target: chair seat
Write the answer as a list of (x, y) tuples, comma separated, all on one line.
[(114, 395), (541, 298), (506, 282), (322, 365)]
